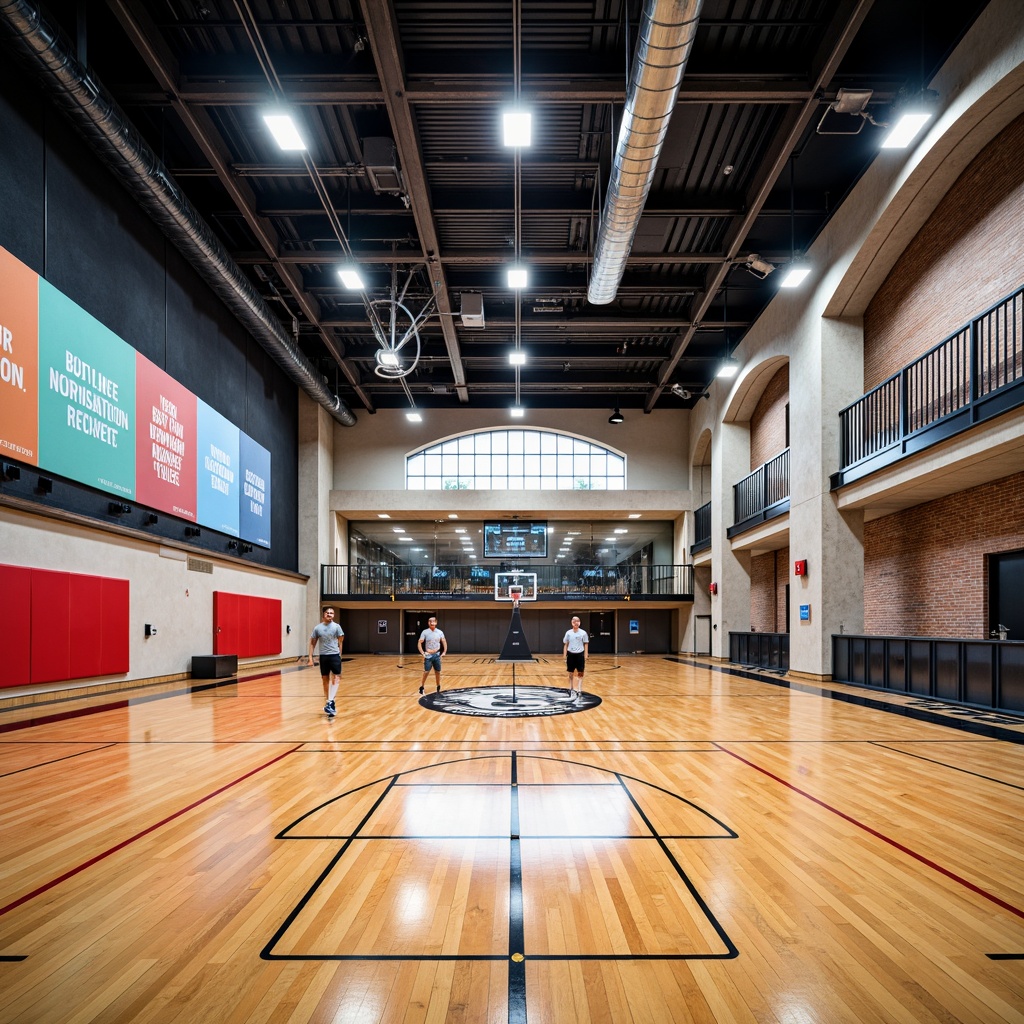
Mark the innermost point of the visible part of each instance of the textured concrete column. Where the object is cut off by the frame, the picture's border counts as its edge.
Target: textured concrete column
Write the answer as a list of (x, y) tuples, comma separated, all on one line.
[(825, 376), (730, 607), (316, 475)]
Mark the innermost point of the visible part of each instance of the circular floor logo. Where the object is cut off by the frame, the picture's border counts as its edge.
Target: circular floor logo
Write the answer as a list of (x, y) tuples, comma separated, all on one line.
[(504, 702)]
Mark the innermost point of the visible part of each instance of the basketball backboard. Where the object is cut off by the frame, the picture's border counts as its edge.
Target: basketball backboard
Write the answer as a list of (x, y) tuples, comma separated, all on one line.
[(513, 586)]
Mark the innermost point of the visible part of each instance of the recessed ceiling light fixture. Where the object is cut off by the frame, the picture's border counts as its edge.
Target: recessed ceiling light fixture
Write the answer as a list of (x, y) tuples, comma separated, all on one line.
[(517, 412), (517, 357), (413, 416), (729, 368), (517, 127), (351, 278), (283, 128), (912, 115), (517, 277)]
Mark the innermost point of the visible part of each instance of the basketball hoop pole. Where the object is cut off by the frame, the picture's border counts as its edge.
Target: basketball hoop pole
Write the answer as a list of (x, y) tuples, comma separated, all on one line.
[(515, 608)]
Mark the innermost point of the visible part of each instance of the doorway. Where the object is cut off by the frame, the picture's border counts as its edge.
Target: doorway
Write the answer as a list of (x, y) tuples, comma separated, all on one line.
[(602, 637), (415, 623), (1005, 604), (702, 634)]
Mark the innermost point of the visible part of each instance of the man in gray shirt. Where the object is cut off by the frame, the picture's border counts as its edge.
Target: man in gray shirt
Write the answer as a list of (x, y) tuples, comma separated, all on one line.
[(432, 645), (330, 636)]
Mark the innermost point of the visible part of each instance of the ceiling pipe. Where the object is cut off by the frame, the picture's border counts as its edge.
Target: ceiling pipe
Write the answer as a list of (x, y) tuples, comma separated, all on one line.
[(117, 142), (667, 31)]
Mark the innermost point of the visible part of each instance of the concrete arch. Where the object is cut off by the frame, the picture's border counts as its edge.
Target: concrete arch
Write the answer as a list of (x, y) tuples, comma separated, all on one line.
[(750, 386)]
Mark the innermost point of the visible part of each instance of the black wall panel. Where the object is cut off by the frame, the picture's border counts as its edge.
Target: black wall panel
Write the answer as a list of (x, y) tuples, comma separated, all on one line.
[(102, 251), (65, 216), (22, 209)]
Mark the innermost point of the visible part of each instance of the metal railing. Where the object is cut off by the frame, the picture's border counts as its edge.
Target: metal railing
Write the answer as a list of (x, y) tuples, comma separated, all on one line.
[(463, 582), (701, 528), (760, 650), (763, 494), (979, 673), (954, 379)]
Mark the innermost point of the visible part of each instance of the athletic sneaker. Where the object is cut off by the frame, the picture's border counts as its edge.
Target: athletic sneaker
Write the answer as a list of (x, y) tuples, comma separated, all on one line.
[(421, 691), (438, 690), (330, 709)]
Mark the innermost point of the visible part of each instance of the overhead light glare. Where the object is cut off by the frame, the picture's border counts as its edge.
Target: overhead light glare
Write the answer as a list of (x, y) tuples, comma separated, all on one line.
[(795, 276), (729, 368), (905, 130), (385, 357), (351, 279), (517, 127), (517, 277), (383, 515), (517, 357), (286, 135), (413, 416), (517, 412), (635, 515)]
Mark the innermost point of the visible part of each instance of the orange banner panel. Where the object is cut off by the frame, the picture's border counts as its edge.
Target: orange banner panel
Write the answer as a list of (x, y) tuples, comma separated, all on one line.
[(19, 360)]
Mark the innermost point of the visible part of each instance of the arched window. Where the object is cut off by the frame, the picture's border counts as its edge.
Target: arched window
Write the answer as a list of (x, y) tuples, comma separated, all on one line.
[(515, 460)]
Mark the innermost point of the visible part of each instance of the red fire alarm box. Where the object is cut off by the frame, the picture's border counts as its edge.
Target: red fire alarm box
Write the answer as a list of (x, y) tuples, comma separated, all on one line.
[(800, 568), (713, 589)]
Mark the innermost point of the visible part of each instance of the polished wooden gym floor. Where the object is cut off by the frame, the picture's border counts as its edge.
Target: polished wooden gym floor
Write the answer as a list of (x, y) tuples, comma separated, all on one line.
[(705, 845)]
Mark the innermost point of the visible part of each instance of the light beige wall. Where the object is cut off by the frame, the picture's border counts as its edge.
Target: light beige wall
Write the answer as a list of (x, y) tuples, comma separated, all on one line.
[(371, 455), (163, 591)]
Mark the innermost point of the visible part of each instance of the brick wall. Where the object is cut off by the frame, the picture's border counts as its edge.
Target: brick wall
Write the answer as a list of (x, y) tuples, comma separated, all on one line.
[(964, 259), (769, 574), (768, 421), (925, 571)]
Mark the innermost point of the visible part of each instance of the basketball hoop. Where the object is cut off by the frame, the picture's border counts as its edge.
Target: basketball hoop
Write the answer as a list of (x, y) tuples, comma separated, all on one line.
[(516, 594)]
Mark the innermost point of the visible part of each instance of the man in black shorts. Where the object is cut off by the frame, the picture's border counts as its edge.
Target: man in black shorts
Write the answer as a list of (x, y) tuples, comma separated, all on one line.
[(331, 636)]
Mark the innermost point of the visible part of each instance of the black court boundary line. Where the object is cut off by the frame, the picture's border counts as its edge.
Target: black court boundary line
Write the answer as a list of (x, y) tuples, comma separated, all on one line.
[(919, 714), (517, 958), (57, 760), (942, 764)]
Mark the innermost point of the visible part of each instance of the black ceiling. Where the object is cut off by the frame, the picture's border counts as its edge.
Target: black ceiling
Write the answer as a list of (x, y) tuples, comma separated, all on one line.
[(195, 75)]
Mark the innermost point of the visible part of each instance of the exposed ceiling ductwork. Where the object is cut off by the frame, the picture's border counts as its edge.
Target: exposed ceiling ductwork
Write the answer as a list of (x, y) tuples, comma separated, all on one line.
[(667, 31), (117, 142)]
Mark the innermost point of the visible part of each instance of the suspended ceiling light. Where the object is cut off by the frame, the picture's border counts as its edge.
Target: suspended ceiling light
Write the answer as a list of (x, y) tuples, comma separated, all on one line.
[(351, 278), (795, 276), (283, 128), (517, 277), (517, 127), (729, 368), (517, 357), (517, 412), (413, 417), (386, 357), (616, 417)]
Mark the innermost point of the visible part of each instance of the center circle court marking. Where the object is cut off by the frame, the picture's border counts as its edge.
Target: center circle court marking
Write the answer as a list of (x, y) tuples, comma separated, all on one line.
[(499, 701)]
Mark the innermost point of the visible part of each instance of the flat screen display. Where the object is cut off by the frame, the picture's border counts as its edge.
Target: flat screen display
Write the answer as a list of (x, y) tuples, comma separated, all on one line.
[(515, 540)]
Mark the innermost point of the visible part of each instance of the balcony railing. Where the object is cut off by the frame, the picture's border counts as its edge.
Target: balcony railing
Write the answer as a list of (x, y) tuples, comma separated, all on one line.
[(980, 673), (975, 374), (760, 650), (468, 583), (702, 529), (762, 495)]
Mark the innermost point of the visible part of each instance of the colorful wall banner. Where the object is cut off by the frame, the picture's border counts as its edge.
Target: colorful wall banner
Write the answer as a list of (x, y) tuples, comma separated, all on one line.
[(254, 507), (218, 486), (165, 455), (19, 360), (78, 401), (86, 397)]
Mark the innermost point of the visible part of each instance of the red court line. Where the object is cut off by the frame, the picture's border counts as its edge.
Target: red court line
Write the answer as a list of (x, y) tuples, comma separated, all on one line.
[(138, 835), (885, 839)]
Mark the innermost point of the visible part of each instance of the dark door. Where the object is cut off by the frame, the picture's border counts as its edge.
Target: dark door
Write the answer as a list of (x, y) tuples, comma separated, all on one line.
[(602, 639), (415, 623), (786, 630), (1005, 600)]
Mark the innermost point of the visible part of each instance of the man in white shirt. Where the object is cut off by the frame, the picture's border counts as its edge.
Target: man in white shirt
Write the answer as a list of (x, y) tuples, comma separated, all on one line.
[(575, 647)]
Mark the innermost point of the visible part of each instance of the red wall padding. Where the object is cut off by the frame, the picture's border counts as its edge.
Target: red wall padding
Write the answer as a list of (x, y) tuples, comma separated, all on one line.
[(15, 619), (247, 626), (61, 625)]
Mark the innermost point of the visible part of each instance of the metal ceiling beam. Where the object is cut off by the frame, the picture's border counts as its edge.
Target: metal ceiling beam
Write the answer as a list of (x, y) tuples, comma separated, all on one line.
[(847, 19), (443, 89), (487, 258), (137, 23), (382, 31)]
